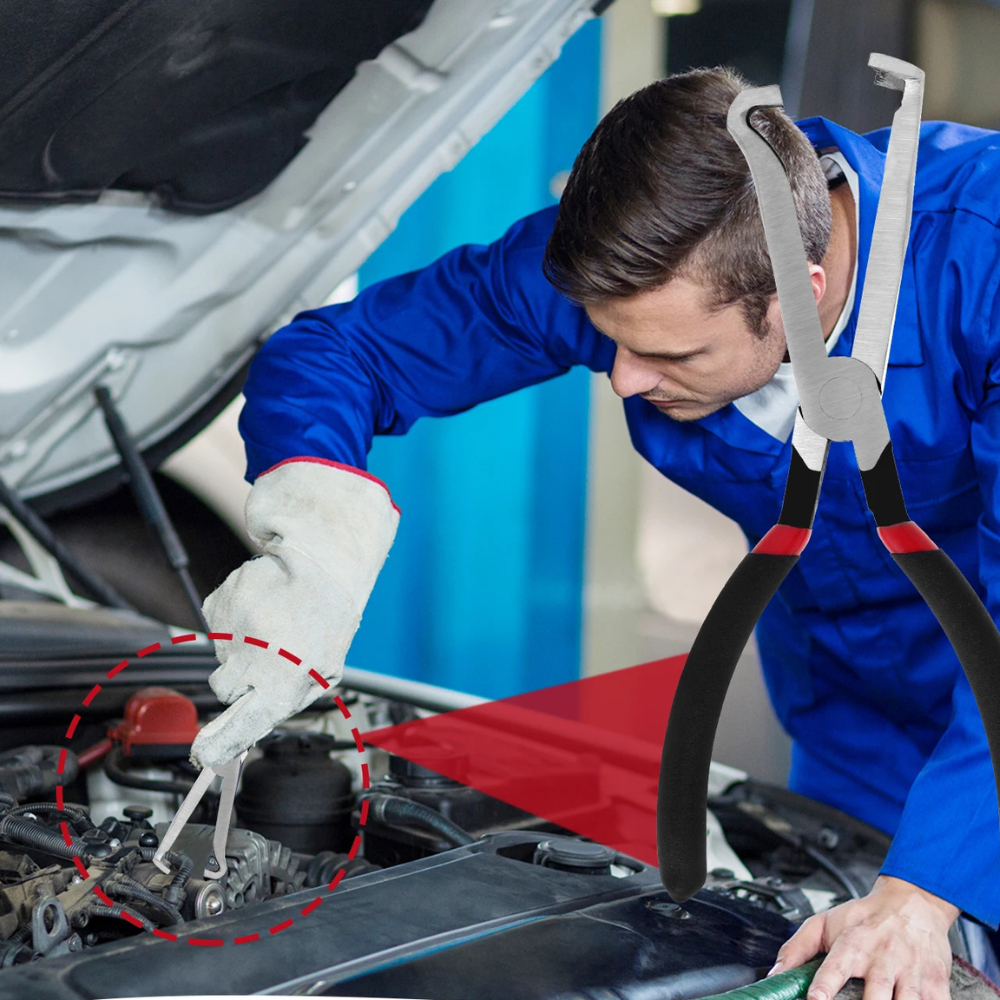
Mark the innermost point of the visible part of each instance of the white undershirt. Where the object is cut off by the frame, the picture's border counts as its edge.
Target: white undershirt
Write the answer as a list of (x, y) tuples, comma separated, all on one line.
[(773, 406)]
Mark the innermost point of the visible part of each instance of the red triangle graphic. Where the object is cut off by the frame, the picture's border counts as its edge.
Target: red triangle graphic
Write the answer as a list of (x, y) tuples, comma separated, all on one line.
[(584, 755)]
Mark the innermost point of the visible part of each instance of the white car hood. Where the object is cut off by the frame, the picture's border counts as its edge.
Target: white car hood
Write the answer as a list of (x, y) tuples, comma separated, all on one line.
[(165, 308)]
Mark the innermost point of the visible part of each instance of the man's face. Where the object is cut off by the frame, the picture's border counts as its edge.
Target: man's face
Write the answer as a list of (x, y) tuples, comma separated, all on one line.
[(686, 359)]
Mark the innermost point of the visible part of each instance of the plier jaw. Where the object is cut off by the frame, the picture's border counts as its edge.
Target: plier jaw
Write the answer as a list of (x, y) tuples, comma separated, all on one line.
[(840, 400), (215, 868)]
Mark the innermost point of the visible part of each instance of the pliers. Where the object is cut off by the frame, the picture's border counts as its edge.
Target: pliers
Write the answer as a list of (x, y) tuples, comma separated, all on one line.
[(230, 773), (840, 399)]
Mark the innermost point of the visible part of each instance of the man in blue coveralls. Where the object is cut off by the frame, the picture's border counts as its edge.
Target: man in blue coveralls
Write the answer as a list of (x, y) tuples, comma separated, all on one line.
[(654, 269)]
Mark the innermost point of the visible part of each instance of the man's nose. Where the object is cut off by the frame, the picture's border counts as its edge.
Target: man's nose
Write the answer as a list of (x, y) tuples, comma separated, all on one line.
[(632, 375)]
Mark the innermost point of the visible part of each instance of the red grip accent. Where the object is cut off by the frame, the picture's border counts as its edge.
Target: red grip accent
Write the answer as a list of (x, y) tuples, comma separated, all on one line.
[(905, 537), (333, 465), (783, 540)]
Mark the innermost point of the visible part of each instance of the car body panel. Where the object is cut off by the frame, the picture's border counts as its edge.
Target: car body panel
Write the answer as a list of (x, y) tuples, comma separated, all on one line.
[(164, 307)]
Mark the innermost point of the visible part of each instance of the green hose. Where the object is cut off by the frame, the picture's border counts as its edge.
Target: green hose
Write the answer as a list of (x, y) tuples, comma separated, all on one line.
[(790, 985)]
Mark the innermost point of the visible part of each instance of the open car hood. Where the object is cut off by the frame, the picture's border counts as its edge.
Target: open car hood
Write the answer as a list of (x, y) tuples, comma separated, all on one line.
[(177, 181)]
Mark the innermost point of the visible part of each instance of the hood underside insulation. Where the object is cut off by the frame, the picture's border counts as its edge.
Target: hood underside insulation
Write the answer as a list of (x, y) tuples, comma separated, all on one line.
[(200, 104)]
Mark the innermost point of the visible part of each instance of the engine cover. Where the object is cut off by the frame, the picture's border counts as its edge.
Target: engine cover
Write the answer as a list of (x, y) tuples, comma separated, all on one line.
[(444, 926)]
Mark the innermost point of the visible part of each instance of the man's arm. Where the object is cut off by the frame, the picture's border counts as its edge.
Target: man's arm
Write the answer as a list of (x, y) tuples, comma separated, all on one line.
[(945, 855), (948, 838), (478, 323), (944, 859)]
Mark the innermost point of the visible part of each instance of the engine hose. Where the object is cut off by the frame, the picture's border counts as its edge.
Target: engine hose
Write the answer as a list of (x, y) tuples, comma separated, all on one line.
[(34, 770), (100, 910), (31, 770), (133, 890), (20, 935), (79, 813), (790, 985), (185, 866), (394, 810), (116, 770), (835, 870), (325, 865), (24, 832)]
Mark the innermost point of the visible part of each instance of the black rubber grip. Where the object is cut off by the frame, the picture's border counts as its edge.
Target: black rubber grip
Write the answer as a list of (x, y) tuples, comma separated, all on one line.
[(682, 799), (883, 493), (970, 629), (798, 508)]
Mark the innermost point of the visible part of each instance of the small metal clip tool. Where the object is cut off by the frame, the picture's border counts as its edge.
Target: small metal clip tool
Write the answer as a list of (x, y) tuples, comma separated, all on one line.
[(230, 774)]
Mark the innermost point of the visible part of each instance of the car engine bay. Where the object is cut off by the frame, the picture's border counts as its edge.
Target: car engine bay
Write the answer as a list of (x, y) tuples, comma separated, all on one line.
[(426, 883)]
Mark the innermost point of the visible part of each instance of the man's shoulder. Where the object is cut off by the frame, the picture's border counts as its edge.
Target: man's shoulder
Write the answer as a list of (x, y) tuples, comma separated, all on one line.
[(511, 281), (958, 166), (530, 234), (958, 170), (516, 259)]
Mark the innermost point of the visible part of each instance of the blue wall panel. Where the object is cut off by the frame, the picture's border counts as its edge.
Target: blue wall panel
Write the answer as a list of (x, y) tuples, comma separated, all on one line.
[(482, 589)]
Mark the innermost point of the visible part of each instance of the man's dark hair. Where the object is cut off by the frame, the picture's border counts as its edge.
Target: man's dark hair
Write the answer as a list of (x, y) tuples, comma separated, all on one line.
[(661, 190)]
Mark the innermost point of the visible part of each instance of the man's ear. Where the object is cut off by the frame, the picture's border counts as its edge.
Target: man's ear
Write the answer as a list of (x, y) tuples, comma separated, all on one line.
[(818, 276)]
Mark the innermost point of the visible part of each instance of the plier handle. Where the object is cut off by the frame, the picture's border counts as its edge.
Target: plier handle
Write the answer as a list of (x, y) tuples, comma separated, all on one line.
[(840, 400), (230, 774)]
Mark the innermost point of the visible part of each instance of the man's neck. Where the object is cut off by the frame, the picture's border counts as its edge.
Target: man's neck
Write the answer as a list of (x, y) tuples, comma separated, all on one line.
[(840, 258)]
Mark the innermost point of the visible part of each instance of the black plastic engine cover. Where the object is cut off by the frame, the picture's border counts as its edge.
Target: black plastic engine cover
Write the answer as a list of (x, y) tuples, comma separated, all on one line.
[(472, 922), (623, 949)]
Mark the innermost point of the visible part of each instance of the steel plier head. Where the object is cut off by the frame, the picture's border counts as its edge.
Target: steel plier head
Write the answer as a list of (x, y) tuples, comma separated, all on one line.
[(230, 774), (840, 399)]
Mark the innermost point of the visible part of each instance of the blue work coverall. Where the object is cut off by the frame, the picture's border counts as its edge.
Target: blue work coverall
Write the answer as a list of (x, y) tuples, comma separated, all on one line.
[(883, 722)]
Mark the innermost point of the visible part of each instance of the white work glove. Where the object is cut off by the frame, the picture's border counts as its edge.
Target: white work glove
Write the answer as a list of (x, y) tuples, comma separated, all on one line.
[(324, 531)]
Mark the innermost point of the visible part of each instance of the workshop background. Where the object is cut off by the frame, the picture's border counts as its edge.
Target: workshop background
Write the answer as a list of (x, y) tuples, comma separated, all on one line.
[(535, 545)]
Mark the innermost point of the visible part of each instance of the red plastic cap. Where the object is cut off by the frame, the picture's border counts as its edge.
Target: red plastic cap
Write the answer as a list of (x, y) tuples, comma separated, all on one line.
[(156, 716)]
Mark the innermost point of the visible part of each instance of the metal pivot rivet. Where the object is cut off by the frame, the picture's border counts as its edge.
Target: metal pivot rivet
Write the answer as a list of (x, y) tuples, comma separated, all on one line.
[(840, 398)]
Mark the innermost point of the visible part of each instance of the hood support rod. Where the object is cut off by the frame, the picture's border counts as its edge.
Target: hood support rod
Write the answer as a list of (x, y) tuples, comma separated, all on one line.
[(93, 584), (148, 498)]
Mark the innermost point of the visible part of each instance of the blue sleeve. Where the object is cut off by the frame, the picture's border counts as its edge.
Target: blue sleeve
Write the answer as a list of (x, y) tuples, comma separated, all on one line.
[(479, 322), (948, 839)]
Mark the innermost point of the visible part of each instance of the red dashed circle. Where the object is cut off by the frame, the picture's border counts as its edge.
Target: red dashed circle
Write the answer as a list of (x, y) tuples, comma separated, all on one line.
[(131, 918)]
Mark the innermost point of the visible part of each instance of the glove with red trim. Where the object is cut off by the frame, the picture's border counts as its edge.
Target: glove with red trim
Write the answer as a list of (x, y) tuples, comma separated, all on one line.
[(324, 530)]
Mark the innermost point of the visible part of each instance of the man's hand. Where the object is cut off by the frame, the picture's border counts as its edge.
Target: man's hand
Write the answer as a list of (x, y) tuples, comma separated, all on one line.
[(896, 937), (324, 531)]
